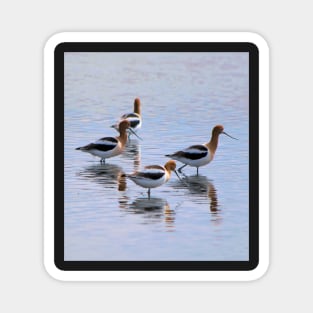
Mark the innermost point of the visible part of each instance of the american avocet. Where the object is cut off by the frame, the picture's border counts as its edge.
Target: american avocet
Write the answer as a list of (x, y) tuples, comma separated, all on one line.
[(134, 118), (153, 175), (199, 155), (108, 147)]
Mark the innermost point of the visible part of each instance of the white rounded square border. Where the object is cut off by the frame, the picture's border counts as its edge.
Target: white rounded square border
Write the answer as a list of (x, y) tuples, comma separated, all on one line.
[(262, 46)]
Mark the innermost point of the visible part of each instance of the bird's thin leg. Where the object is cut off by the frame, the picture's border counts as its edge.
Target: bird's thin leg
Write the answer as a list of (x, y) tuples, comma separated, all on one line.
[(197, 171), (149, 193), (179, 170), (102, 161)]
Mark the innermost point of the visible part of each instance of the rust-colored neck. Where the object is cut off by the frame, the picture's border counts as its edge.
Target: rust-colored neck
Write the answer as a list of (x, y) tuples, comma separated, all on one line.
[(212, 145), (137, 106), (123, 137)]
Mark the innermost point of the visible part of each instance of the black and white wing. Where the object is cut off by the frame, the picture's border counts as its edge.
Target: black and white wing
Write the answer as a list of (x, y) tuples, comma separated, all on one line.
[(103, 144)]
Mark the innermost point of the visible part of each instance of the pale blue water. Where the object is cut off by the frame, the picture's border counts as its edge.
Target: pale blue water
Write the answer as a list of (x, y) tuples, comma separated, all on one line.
[(183, 97)]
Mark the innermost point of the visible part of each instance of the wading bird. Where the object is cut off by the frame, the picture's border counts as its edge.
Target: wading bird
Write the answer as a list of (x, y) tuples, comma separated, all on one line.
[(153, 176), (109, 147), (134, 118), (199, 155)]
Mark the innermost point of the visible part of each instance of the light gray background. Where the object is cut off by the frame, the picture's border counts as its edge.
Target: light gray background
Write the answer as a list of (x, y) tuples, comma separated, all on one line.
[(26, 25)]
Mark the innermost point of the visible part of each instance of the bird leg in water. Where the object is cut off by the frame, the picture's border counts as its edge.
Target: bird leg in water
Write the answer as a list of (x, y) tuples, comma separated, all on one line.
[(179, 170)]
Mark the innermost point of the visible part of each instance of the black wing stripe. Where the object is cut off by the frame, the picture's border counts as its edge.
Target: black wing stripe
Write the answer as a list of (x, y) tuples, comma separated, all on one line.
[(194, 156), (104, 147), (111, 139), (198, 147), (134, 123), (99, 147), (151, 175)]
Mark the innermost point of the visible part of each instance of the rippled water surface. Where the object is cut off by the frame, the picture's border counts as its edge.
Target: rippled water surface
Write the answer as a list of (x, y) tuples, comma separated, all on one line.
[(183, 97)]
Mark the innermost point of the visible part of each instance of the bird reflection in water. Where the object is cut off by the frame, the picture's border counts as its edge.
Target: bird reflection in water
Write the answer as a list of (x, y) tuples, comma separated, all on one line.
[(169, 218), (107, 174), (153, 210), (202, 186), (132, 152)]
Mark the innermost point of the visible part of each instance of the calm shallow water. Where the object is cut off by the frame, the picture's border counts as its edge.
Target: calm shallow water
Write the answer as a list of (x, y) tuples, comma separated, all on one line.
[(183, 97)]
